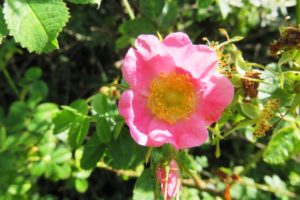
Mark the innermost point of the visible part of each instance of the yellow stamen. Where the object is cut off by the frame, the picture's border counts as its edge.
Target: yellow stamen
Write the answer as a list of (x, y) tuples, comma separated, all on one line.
[(172, 97)]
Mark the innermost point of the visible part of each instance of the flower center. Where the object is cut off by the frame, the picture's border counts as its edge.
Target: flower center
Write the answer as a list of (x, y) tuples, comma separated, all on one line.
[(172, 97)]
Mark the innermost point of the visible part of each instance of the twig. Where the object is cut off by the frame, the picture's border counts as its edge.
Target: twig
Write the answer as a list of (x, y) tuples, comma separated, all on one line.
[(128, 8), (9, 80)]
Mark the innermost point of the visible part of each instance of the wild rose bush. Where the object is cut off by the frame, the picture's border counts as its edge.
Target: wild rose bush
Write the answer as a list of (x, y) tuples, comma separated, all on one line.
[(149, 99)]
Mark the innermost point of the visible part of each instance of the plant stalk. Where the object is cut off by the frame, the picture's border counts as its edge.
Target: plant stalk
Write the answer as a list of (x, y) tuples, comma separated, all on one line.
[(11, 83), (128, 8)]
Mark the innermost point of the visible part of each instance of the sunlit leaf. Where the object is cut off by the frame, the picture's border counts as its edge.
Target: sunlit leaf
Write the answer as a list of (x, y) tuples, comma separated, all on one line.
[(35, 24), (284, 144)]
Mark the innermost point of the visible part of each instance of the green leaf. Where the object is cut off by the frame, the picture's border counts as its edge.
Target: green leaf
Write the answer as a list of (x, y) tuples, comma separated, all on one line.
[(38, 169), (2, 135), (63, 121), (125, 153), (138, 26), (45, 111), (92, 153), (18, 112), (284, 144), (123, 41), (33, 73), (204, 3), (3, 28), (78, 131), (250, 110), (98, 2), (61, 155), (224, 7), (187, 160), (287, 56), (81, 185), (169, 15), (38, 91), (151, 9), (100, 103), (35, 24), (103, 129), (80, 105), (145, 186)]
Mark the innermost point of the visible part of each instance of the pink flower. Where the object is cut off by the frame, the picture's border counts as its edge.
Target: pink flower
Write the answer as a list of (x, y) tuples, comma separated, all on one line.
[(174, 91), (169, 180)]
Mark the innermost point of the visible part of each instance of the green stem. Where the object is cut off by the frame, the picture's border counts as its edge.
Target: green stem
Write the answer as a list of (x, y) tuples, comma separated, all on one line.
[(298, 12), (9, 80), (128, 8)]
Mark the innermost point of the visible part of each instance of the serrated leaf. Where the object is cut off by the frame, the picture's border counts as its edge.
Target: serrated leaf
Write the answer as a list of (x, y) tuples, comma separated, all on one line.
[(151, 8), (124, 153), (168, 15), (145, 186), (3, 28), (92, 153), (138, 26), (100, 103), (103, 129), (98, 2), (35, 24), (284, 144), (81, 105), (78, 131), (63, 121)]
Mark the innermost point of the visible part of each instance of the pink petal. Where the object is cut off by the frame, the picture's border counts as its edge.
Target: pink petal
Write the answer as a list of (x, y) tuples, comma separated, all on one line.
[(187, 133), (160, 133), (200, 60), (145, 63), (216, 96), (132, 107), (190, 132)]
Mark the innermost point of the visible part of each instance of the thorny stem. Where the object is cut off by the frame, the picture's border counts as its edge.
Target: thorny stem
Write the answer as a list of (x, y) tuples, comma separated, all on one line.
[(128, 8), (9, 80)]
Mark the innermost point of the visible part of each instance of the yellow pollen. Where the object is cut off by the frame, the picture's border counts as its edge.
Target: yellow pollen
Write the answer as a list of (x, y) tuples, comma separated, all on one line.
[(172, 97)]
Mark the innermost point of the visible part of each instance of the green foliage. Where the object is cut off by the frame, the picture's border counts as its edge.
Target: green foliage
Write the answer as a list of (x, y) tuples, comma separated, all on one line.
[(86, 1), (31, 25), (284, 144), (145, 186), (124, 153), (3, 29), (93, 151), (60, 130)]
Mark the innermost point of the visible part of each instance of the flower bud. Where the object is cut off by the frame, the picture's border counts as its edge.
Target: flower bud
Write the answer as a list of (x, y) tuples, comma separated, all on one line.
[(169, 179)]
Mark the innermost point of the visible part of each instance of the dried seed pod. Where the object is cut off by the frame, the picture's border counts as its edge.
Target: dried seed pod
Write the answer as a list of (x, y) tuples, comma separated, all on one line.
[(263, 124), (250, 87), (289, 39)]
